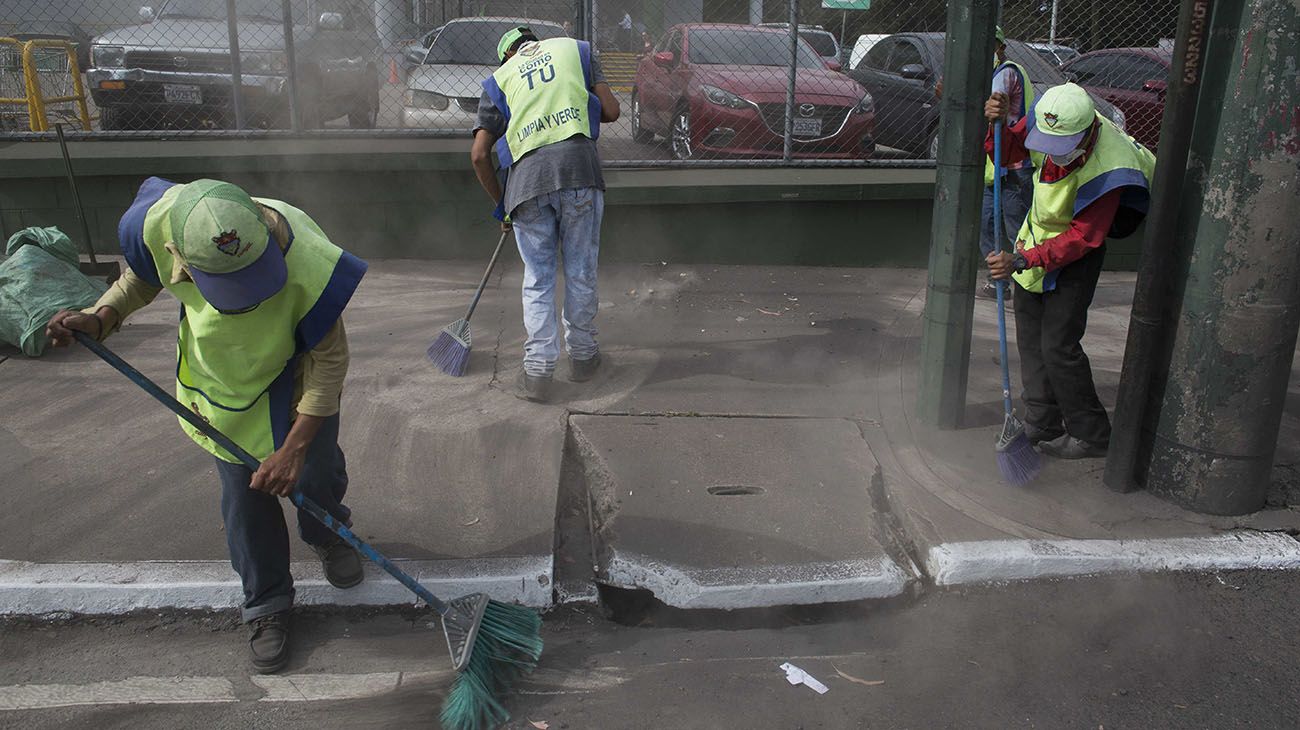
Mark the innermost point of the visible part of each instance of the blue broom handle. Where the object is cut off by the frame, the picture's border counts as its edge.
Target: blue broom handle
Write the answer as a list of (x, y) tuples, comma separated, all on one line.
[(1002, 284), (299, 499)]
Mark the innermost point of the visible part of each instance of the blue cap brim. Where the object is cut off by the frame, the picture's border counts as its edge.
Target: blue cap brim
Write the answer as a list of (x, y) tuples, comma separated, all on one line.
[(1050, 144), (248, 287)]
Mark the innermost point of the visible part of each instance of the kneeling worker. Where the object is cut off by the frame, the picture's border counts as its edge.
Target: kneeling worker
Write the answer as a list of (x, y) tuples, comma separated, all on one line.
[(261, 356), (1093, 181)]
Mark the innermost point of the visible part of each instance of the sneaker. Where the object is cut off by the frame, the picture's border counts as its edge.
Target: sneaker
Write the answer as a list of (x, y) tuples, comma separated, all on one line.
[(988, 291), (580, 371), (535, 388), (1037, 437), (1069, 447), (341, 562), (268, 642)]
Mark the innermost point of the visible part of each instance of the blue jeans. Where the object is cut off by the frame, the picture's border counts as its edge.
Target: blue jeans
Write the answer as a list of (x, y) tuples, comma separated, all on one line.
[(255, 531), (564, 225), (1017, 194)]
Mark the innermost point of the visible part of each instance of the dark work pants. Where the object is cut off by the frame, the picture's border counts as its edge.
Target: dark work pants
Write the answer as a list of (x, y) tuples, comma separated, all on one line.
[(255, 530), (1058, 388)]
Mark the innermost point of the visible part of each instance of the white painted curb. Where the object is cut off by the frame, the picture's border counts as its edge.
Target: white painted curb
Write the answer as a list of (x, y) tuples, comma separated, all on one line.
[(989, 561), (776, 585), (112, 588)]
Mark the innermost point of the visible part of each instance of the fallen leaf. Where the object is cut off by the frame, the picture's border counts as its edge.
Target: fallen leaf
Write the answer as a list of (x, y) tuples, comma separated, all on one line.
[(540, 724), (471, 522), (856, 680)]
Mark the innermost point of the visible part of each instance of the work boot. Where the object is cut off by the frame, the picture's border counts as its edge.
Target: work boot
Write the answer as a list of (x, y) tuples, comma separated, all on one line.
[(1069, 447), (580, 371), (1037, 436), (341, 562), (268, 642), (535, 388)]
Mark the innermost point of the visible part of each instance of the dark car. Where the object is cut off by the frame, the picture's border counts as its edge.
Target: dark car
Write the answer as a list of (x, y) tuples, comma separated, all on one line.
[(1132, 79), (176, 70), (716, 89), (901, 71)]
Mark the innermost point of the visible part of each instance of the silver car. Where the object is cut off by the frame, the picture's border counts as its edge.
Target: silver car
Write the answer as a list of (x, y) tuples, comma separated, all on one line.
[(443, 88)]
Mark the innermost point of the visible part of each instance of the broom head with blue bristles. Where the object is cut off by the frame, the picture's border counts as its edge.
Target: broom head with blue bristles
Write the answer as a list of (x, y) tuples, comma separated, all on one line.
[(1017, 459), (492, 645), (450, 351)]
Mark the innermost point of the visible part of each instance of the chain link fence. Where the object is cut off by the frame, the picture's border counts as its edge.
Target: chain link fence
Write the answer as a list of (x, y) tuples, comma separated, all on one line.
[(718, 81)]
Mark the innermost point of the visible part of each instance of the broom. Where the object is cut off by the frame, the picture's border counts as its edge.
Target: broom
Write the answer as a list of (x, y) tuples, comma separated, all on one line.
[(450, 351), (491, 643), (1017, 460)]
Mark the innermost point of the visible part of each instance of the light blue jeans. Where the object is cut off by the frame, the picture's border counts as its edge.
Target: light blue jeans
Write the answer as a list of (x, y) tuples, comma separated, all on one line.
[(563, 225)]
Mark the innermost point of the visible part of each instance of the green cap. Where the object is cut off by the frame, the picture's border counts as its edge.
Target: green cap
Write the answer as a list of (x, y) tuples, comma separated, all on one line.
[(1062, 116), (219, 232), (508, 40), (997, 33)]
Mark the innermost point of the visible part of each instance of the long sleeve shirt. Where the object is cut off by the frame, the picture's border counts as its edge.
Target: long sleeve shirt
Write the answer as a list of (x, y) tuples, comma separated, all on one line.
[(318, 379), (1088, 229)]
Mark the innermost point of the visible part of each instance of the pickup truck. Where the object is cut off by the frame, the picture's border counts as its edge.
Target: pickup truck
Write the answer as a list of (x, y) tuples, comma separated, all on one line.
[(174, 70)]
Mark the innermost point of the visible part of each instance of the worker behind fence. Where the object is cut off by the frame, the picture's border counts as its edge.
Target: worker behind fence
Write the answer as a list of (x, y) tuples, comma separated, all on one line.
[(1012, 80), (1092, 181), (261, 355), (541, 111)]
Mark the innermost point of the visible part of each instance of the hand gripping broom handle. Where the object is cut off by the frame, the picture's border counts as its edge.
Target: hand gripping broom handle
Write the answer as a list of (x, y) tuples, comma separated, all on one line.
[(1002, 285), (486, 275), (298, 497)]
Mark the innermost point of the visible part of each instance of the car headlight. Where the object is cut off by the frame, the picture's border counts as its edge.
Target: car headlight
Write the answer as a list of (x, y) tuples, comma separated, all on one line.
[(1119, 119), (866, 105), (722, 97), (426, 100), (108, 56), (264, 62)]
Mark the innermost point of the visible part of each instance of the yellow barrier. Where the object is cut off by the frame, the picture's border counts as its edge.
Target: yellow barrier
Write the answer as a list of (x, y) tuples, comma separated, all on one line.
[(26, 100), (36, 101)]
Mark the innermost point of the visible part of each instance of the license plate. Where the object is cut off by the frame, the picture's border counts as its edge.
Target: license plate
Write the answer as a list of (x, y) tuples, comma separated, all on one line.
[(176, 94), (807, 127)]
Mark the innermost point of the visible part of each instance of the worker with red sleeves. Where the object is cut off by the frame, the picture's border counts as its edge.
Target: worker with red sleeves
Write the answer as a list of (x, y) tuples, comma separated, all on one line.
[(1091, 181)]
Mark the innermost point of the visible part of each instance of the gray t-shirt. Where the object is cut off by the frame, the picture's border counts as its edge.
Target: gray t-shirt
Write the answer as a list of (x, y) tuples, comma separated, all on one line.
[(573, 163)]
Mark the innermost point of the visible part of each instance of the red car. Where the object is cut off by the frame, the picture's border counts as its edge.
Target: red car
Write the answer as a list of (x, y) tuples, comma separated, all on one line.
[(719, 90), (1133, 79)]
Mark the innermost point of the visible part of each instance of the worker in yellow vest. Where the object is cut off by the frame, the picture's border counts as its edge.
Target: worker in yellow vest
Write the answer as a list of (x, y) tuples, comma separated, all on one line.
[(261, 355), (1093, 181), (541, 112), (1012, 80)]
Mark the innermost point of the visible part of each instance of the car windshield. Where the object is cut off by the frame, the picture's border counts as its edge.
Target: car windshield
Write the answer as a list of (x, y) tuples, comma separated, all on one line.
[(475, 43), (209, 10), (747, 48), (823, 43)]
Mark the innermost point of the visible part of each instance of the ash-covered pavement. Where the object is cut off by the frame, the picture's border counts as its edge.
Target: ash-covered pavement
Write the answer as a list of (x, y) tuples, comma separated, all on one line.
[(1153, 651)]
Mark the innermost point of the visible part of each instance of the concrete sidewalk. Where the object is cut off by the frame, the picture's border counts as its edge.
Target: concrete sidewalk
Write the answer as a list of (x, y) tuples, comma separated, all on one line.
[(751, 442)]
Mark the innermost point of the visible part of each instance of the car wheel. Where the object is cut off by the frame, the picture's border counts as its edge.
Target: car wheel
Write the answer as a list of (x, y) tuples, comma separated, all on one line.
[(123, 119), (681, 135), (933, 147), (639, 132), (365, 111)]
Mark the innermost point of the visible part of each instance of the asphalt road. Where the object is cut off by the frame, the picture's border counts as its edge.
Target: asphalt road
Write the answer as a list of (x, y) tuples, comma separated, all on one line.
[(1169, 651)]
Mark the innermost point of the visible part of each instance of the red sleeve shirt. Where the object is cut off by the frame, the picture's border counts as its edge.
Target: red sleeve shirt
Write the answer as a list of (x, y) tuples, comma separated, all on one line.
[(1086, 232), (1013, 143)]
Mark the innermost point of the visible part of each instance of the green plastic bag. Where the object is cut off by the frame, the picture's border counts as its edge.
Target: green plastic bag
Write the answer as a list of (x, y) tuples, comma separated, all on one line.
[(38, 277)]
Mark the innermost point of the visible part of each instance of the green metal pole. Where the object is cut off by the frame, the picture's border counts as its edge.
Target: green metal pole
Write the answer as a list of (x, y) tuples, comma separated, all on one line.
[(954, 234), (1240, 310)]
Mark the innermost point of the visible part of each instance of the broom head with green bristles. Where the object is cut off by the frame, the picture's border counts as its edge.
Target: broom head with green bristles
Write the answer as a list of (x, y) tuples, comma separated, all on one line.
[(492, 645)]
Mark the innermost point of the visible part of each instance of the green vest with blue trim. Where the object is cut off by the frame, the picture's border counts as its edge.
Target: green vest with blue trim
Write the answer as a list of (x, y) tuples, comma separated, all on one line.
[(236, 371), (544, 93), (1027, 102), (1117, 161)]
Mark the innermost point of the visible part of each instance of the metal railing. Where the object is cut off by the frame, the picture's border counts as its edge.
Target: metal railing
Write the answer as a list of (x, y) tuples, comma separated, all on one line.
[(796, 82)]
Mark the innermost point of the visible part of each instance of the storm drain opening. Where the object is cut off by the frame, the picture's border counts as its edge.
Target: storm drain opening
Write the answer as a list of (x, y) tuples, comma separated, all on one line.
[(735, 490)]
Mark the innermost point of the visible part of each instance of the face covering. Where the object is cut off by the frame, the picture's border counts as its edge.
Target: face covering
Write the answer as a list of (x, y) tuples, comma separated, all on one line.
[(1067, 158)]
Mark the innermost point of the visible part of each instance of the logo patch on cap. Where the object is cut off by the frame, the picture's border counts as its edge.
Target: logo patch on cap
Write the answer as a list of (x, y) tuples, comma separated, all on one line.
[(229, 244), (1051, 119)]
